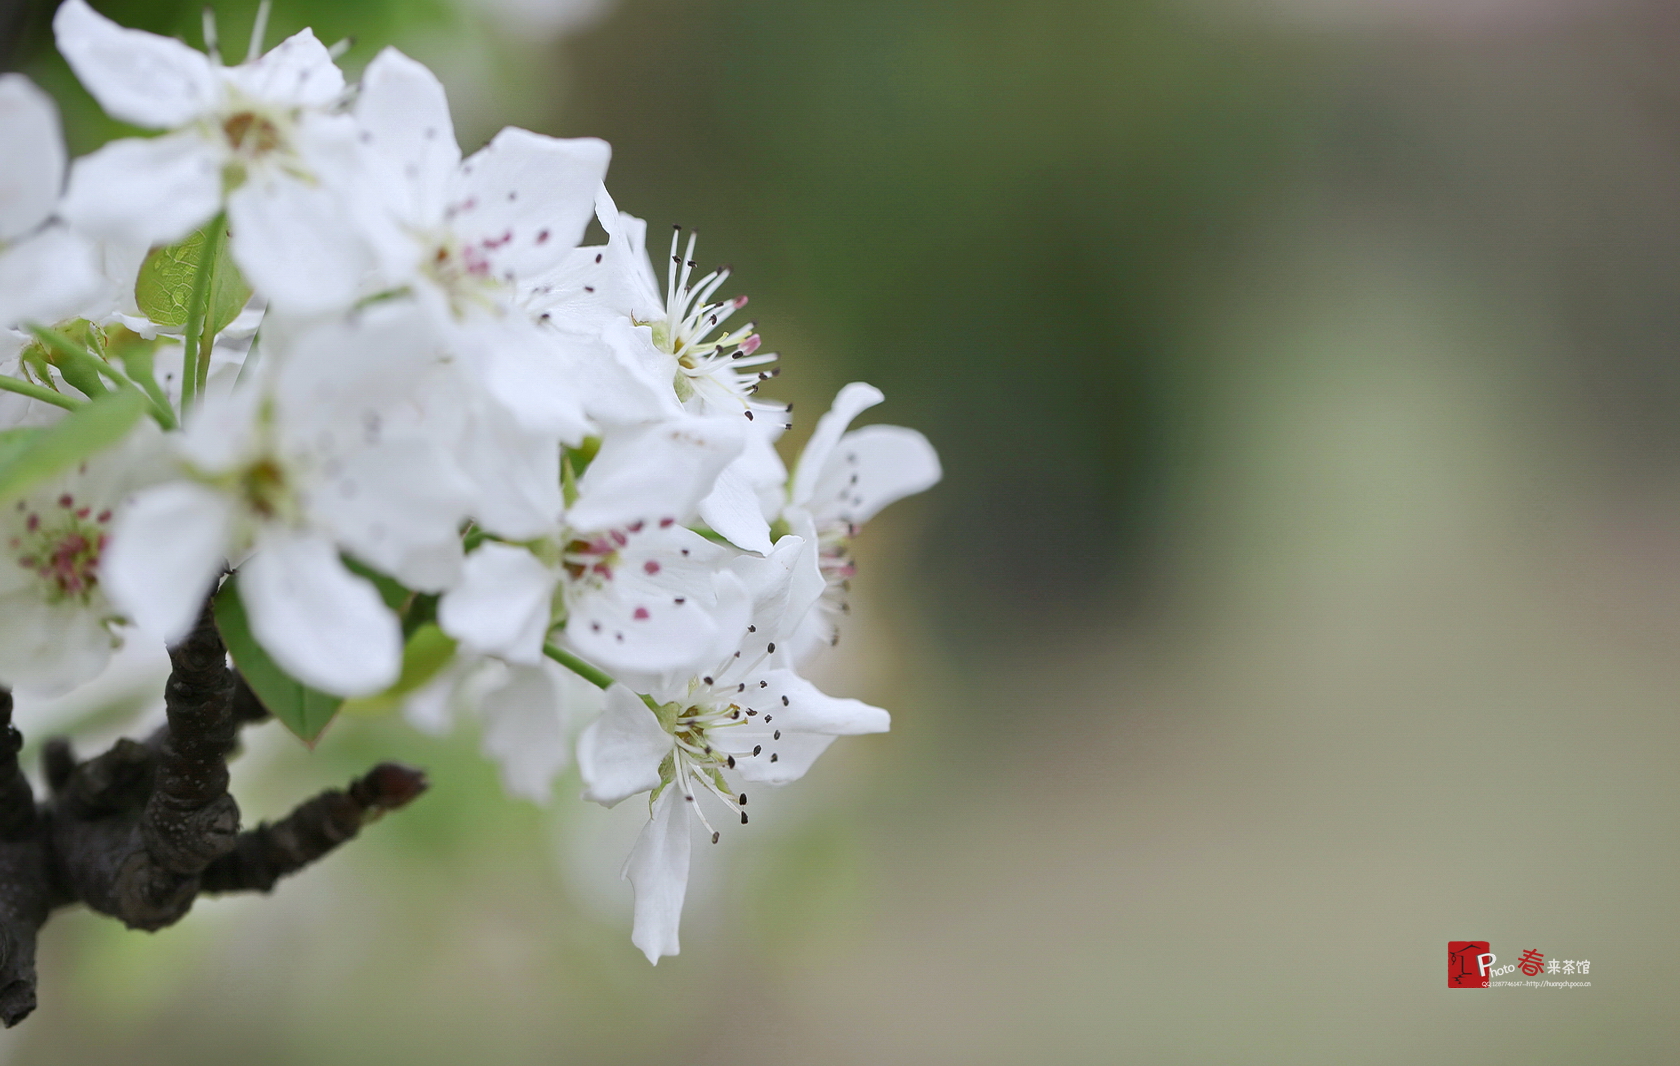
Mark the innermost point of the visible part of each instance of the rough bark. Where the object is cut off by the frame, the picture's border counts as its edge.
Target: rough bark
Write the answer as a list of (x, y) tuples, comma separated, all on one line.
[(139, 831)]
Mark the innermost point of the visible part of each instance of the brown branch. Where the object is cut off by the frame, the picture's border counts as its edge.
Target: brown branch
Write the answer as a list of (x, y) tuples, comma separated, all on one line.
[(139, 831)]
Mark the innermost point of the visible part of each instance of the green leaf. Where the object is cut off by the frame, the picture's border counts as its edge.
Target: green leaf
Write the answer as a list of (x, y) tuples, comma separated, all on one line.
[(425, 655), (59, 447), (303, 710), (164, 287)]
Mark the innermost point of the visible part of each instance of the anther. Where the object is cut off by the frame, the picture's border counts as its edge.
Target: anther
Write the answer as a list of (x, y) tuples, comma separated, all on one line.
[(715, 835), (742, 799), (777, 735), (730, 762), (772, 648), (784, 701), (773, 756), (743, 817), (757, 748)]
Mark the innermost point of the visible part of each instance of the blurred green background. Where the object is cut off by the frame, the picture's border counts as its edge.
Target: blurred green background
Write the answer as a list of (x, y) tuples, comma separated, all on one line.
[(1302, 594)]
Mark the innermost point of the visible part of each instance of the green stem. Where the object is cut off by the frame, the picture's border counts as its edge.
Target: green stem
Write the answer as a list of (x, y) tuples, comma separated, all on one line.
[(36, 392), (200, 335), (577, 666), (91, 367)]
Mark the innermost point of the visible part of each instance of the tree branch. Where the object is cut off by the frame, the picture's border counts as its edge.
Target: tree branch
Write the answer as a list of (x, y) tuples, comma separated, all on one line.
[(140, 830)]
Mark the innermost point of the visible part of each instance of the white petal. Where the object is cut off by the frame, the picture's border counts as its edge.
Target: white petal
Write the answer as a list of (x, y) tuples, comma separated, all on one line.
[(167, 548), (145, 191), (153, 82), (502, 605), (784, 585), (806, 723), (733, 509), (528, 198), (870, 468), (619, 754), (32, 165), (403, 111), (653, 472), (851, 401), (48, 649), (516, 474), (658, 870), (47, 277), (297, 72), (523, 732), (398, 506), (297, 244), (529, 374), (322, 624)]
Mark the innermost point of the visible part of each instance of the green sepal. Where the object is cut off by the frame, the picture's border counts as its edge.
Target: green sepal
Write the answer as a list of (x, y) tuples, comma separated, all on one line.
[(164, 286), (82, 433), (303, 710), (428, 651), (137, 354), (67, 348)]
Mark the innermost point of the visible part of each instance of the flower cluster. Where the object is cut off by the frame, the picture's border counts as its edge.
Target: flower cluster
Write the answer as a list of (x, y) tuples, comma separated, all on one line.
[(423, 447)]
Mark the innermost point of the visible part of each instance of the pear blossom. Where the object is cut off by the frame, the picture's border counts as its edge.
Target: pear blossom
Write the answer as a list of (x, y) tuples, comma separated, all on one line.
[(263, 140), (633, 587), (529, 716), (758, 723), (454, 461), (57, 625), (842, 480), (326, 450), (466, 237)]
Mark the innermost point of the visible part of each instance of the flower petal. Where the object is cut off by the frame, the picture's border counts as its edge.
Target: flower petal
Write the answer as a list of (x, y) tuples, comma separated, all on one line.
[(852, 400), (619, 754), (297, 72), (48, 649), (526, 198), (32, 166), (733, 509), (658, 871), (324, 625), (297, 244), (654, 472), (47, 277), (145, 190), (404, 116), (871, 468), (502, 605), (167, 548), (153, 82), (523, 732)]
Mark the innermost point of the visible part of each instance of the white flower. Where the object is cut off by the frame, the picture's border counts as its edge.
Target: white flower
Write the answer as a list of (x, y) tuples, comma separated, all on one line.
[(260, 139), (56, 624), (755, 722), (529, 715), (841, 481), (329, 448), (636, 589), (677, 336), (46, 272), (467, 237)]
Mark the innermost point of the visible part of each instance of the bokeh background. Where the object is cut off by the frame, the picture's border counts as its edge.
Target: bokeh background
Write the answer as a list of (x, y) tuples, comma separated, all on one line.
[(1303, 592)]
